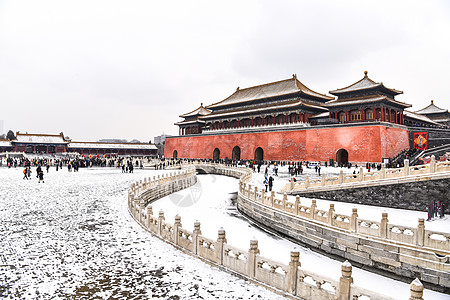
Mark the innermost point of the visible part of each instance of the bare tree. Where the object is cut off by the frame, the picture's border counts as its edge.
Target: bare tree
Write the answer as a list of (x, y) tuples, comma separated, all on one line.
[(10, 135)]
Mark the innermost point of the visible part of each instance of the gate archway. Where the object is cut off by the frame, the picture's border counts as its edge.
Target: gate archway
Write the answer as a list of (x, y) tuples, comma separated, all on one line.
[(259, 154), (342, 156), (236, 154), (216, 154), (175, 154)]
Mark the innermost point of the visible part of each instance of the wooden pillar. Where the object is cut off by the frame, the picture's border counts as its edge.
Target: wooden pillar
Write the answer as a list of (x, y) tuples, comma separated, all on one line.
[(346, 116), (363, 115), (274, 120)]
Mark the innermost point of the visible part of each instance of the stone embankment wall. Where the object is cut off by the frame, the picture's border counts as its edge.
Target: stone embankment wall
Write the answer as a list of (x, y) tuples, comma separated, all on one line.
[(412, 195), (406, 187), (289, 280)]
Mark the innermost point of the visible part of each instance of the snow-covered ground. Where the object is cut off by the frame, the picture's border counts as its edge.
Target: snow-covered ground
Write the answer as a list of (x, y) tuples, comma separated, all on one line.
[(373, 213), (72, 237)]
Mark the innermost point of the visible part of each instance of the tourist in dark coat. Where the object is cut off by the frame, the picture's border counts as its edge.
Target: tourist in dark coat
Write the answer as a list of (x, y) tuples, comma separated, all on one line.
[(270, 183)]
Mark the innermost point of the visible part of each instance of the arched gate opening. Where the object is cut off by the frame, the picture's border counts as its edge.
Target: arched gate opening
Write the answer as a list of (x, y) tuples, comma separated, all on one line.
[(259, 154), (342, 156), (216, 154), (236, 154)]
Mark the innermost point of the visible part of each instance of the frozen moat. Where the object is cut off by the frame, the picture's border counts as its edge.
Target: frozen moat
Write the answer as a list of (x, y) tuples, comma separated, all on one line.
[(72, 238)]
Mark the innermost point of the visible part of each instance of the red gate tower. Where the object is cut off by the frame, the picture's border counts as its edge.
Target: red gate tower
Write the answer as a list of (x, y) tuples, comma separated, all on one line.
[(285, 120)]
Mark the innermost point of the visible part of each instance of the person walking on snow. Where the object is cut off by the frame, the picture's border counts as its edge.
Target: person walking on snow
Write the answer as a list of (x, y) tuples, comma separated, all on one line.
[(41, 176), (266, 182), (25, 173)]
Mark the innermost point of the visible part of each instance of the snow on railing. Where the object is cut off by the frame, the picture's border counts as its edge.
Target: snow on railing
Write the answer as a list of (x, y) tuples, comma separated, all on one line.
[(330, 183)]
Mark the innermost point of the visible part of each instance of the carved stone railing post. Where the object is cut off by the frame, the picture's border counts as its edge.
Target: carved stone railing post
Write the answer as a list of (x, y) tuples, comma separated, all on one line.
[(272, 197), (420, 233), (383, 171), (313, 210), (297, 204), (416, 290), (149, 214), (384, 225), (256, 193), (307, 182), (176, 229), (354, 220), (292, 184), (249, 191), (433, 164), (136, 208), (221, 239), (361, 174), (322, 180), (141, 211), (331, 215), (341, 177), (251, 262), (406, 167), (263, 195), (160, 221), (293, 271), (345, 282), (195, 235), (284, 201)]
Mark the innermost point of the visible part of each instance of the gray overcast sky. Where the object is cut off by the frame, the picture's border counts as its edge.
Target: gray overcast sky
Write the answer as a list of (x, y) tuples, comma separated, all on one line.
[(128, 69)]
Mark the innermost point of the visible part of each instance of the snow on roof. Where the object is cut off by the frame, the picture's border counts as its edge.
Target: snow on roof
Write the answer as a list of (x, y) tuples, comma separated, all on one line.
[(39, 138), (365, 83), (431, 109), (199, 111), (112, 145), (321, 115), (5, 143), (273, 89), (362, 100), (189, 122), (416, 116), (264, 108)]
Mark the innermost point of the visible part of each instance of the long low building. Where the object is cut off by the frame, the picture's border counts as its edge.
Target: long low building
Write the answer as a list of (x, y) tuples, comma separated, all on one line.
[(58, 143)]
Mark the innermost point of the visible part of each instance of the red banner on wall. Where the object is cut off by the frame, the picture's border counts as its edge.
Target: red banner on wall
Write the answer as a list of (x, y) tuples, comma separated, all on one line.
[(420, 140)]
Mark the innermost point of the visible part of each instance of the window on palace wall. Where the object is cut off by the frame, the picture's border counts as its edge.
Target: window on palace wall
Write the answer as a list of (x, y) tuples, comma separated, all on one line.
[(369, 114), (355, 115), (342, 117)]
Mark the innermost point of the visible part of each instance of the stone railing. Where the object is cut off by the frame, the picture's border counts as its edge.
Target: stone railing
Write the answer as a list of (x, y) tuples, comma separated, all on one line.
[(362, 178), (413, 236), (289, 280)]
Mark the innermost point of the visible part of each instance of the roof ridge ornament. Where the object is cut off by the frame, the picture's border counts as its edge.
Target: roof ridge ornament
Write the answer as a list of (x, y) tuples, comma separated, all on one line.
[(365, 73), (432, 101)]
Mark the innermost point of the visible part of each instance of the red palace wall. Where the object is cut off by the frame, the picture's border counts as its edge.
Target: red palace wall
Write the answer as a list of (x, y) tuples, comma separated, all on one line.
[(364, 143)]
